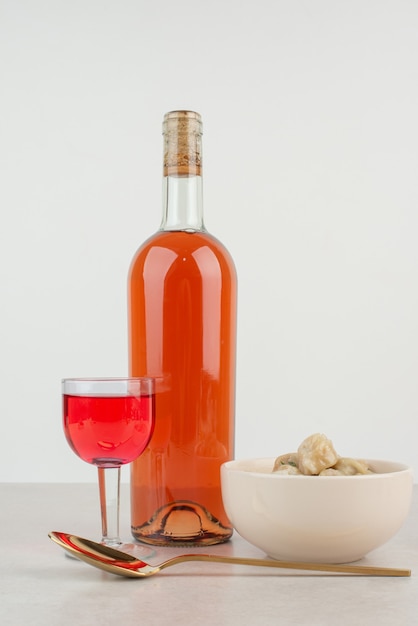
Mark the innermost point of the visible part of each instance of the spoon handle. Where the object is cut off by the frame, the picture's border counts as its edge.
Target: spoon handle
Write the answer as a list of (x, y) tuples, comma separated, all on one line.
[(359, 570)]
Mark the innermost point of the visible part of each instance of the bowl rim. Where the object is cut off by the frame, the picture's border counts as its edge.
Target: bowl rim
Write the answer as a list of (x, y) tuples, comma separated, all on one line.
[(397, 468)]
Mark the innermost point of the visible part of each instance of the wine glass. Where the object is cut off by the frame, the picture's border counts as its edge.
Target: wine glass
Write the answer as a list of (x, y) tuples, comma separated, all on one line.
[(108, 422)]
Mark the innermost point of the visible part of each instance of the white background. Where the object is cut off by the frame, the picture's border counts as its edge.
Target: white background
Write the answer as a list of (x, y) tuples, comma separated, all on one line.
[(311, 167)]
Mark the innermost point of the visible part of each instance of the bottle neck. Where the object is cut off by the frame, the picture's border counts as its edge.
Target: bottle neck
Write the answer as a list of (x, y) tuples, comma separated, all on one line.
[(182, 182), (182, 203)]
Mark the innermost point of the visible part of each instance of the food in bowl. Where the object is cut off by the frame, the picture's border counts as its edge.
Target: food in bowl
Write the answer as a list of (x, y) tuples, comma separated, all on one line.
[(316, 456), (325, 519)]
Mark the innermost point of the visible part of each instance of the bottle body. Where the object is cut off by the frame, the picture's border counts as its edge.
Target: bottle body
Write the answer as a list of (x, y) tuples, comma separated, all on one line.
[(183, 333)]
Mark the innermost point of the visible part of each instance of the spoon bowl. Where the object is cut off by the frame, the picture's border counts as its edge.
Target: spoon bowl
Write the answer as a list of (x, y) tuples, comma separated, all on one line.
[(122, 564)]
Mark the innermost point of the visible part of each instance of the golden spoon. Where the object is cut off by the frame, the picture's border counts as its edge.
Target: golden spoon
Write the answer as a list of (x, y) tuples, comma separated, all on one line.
[(123, 564)]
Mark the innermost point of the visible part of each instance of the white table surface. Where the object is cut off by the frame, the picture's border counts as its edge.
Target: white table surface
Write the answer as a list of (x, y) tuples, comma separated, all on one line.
[(40, 586)]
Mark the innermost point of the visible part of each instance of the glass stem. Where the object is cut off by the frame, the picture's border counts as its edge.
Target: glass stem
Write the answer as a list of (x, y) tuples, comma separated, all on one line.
[(109, 487)]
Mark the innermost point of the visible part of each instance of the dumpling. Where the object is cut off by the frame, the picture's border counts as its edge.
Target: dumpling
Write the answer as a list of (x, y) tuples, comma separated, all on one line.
[(330, 471), (286, 460), (291, 470), (315, 454), (350, 467)]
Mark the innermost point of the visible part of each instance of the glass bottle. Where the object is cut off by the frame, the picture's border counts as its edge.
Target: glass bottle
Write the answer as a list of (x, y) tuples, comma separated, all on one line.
[(182, 332)]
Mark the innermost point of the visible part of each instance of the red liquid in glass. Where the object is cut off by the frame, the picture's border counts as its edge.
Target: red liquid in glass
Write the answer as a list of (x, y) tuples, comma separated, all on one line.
[(108, 431)]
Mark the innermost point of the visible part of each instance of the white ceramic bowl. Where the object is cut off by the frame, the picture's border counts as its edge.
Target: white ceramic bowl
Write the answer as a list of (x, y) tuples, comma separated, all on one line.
[(328, 519)]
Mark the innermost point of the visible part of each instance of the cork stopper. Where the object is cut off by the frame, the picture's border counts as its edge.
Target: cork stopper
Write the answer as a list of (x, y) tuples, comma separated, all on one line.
[(182, 143)]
